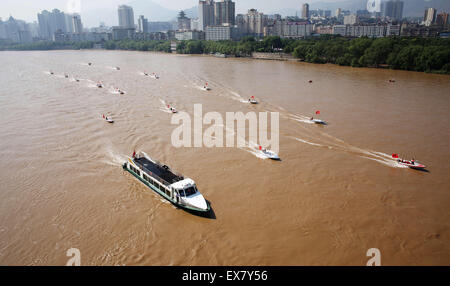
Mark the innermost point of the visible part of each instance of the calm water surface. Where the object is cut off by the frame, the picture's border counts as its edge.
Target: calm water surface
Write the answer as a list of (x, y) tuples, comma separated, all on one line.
[(335, 194)]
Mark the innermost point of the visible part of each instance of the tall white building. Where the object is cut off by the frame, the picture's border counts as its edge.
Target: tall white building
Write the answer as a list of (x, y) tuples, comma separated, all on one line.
[(50, 22), (77, 25), (126, 16), (252, 23), (142, 24), (430, 16)]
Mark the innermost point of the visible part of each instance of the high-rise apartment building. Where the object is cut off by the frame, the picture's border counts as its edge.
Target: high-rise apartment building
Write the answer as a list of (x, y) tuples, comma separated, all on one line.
[(430, 16), (393, 9), (305, 11), (142, 24), (252, 23), (225, 13), (126, 16), (77, 25), (205, 14), (50, 22), (442, 19)]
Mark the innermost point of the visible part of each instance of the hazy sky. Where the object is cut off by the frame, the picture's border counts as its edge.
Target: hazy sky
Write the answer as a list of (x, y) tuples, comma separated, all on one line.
[(28, 9)]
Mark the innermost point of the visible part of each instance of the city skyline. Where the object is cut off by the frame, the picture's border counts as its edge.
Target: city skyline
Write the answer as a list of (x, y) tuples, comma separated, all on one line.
[(91, 11)]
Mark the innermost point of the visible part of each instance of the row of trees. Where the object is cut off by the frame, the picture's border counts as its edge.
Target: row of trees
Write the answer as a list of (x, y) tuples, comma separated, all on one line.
[(157, 46), (416, 54), (45, 46)]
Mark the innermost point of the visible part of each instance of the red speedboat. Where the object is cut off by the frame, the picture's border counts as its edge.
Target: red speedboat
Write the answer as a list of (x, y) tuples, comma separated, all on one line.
[(411, 164)]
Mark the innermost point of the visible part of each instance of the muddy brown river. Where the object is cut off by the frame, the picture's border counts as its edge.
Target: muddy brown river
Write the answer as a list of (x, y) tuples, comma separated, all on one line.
[(336, 192)]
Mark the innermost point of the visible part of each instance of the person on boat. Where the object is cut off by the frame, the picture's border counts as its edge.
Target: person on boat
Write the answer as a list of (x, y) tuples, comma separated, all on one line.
[(413, 161), (312, 118)]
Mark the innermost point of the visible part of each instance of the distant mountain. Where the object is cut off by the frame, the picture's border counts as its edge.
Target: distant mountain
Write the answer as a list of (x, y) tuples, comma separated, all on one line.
[(192, 12), (152, 11)]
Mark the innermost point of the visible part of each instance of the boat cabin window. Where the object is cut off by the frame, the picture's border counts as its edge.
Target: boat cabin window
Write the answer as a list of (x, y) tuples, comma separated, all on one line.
[(190, 191)]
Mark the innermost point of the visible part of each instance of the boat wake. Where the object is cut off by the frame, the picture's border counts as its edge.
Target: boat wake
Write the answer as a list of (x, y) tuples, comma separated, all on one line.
[(341, 146), (113, 158), (115, 91), (301, 118), (164, 108)]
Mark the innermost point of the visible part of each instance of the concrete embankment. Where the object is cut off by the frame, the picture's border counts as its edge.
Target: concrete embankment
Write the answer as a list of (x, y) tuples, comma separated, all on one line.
[(274, 56)]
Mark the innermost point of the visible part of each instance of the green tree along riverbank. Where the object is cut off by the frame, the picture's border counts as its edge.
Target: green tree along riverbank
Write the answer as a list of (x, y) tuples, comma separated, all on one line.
[(45, 46), (415, 54)]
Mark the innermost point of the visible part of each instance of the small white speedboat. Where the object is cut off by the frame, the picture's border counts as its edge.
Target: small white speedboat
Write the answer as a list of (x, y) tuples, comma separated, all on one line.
[(108, 119), (66, 75), (252, 100), (270, 154), (318, 121), (206, 87), (99, 85), (117, 69), (119, 91), (154, 76)]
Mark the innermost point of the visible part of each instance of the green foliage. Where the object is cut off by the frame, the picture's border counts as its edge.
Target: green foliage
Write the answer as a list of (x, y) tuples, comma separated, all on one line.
[(417, 54), (44, 46)]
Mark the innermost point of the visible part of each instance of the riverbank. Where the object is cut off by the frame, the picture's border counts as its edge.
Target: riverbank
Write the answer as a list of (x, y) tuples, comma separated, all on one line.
[(430, 55)]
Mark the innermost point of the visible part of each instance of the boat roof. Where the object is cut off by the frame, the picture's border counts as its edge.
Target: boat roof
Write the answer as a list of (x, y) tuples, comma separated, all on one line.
[(156, 170), (186, 183)]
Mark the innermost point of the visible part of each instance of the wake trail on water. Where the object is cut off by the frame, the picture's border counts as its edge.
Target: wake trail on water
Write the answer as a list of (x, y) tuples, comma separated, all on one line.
[(311, 135), (164, 108), (379, 157), (113, 158)]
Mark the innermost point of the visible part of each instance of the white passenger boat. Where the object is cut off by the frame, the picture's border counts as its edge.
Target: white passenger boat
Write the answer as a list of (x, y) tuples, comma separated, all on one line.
[(180, 191)]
